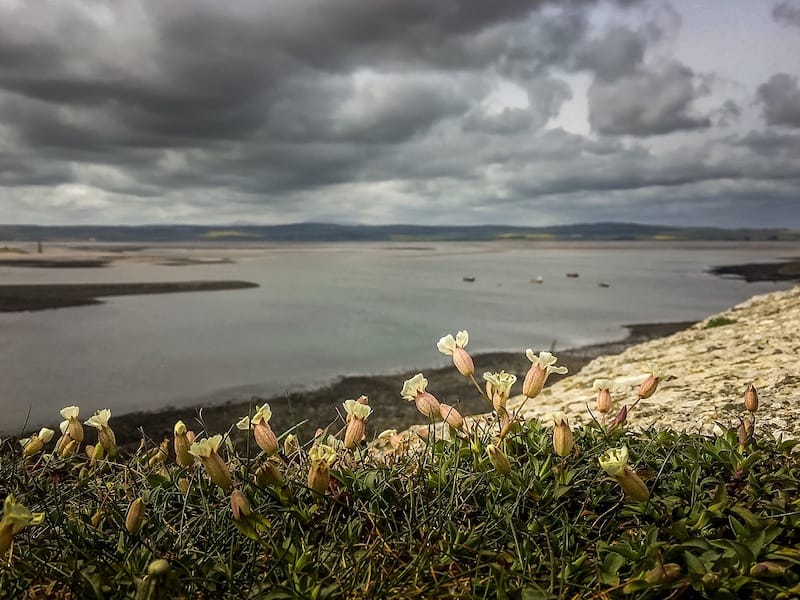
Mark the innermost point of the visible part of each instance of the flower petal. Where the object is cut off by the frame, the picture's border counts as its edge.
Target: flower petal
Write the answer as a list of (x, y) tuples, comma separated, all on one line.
[(462, 338), (70, 412), (446, 344)]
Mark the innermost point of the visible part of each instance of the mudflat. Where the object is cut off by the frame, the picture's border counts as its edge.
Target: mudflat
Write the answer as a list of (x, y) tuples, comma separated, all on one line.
[(23, 297)]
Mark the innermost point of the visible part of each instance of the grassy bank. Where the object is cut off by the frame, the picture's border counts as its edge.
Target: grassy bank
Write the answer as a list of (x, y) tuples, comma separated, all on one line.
[(520, 512)]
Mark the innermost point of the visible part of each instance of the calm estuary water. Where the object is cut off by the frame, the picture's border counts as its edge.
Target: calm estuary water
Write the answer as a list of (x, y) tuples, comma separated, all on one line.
[(328, 310)]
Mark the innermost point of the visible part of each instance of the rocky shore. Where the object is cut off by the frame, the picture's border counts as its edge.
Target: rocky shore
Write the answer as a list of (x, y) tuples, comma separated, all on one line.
[(708, 367)]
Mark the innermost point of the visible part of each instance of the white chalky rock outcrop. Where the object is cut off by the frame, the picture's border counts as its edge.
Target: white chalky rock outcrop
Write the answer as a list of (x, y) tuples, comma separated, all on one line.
[(708, 369)]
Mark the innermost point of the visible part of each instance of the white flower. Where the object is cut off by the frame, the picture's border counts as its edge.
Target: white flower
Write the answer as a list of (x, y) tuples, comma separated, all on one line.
[(615, 461), (180, 428), (603, 384), (358, 410), (263, 415), (559, 418), (206, 447), (414, 387), (448, 344), (546, 361), (656, 370), (100, 419), (69, 413), (501, 382), (322, 452)]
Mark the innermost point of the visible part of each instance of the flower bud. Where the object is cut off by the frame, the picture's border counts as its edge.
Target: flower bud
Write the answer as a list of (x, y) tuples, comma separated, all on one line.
[(217, 471), (603, 401), (240, 506), (265, 437), (452, 417), (356, 429), (498, 459), (69, 449), (182, 443), (751, 398), (648, 387), (291, 445), (563, 440), (463, 362), (269, 473), (319, 476), (108, 441), (767, 569), (97, 517), (633, 486), (135, 517), (160, 455), (428, 405), (158, 568), (534, 381)]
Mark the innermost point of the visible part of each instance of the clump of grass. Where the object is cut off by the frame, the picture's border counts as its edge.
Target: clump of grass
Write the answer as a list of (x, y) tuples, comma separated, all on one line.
[(718, 322), (422, 516)]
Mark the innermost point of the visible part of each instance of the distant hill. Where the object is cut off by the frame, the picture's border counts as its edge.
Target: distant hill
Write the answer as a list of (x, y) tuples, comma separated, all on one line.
[(328, 232)]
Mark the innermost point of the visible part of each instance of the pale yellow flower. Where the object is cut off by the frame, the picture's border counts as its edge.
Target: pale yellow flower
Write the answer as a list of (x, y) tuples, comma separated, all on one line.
[(501, 382), (546, 361), (35, 443), (205, 447), (448, 343), (603, 384), (614, 462), (99, 420), (323, 453), (414, 387), (357, 410)]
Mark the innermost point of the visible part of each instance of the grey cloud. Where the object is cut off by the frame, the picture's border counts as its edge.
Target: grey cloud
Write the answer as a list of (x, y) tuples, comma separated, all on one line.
[(358, 110), (787, 13), (616, 54), (646, 102), (780, 96)]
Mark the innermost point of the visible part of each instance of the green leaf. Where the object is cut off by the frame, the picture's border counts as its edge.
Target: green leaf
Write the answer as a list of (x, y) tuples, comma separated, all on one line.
[(753, 522), (612, 563), (693, 564)]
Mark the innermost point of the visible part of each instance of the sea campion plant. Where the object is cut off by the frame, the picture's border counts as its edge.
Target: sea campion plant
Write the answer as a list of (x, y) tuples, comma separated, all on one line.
[(497, 506)]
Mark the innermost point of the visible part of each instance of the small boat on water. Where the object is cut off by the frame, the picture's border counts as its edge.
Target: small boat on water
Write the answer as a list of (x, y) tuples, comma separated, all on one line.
[(539, 279), (572, 275), (604, 284), (468, 278)]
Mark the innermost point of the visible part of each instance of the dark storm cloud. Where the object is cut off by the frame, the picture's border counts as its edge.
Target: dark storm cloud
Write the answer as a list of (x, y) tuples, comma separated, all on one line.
[(363, 110), (787, 13), (646, 102), (780, 96)]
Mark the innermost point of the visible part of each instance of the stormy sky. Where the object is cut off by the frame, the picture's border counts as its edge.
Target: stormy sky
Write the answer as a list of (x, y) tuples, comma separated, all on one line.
[(521, 112)]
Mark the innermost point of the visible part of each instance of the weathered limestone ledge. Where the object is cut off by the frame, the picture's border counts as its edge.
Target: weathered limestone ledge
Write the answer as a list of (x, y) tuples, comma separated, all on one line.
[(707, 372)]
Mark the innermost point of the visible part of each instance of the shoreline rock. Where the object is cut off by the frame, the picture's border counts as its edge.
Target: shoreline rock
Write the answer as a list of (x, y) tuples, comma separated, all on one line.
[(708, 367)]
